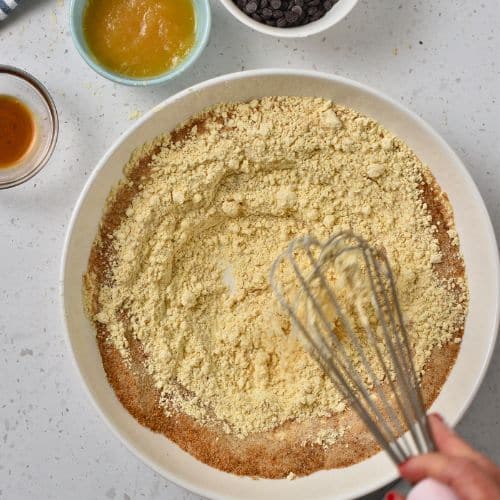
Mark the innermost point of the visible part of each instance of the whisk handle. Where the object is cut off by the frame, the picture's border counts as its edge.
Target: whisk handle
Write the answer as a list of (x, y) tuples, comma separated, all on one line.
[(431, 489)]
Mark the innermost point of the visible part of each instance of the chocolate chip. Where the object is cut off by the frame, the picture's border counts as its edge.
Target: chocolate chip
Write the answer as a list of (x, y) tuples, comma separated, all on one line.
[(290, 17), (251, 7), (267, 13)]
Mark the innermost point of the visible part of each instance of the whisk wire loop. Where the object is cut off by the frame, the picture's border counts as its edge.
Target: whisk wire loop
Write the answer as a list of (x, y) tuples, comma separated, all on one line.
[(372, 408), (387, 339), (403, 363)]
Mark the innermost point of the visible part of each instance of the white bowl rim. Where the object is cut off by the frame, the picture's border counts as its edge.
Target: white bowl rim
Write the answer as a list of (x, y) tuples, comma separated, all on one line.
[(322, 24), (381, 480)]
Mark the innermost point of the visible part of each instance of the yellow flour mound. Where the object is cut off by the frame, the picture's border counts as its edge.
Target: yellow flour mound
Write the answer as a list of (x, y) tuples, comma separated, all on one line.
[(189, 278)]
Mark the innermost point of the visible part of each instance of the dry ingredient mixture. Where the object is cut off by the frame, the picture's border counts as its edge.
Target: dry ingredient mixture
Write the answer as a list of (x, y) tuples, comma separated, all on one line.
[(191, 258)]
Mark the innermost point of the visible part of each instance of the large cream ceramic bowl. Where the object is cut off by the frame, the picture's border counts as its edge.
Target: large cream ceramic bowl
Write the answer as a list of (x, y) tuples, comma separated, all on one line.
[(477, 242)]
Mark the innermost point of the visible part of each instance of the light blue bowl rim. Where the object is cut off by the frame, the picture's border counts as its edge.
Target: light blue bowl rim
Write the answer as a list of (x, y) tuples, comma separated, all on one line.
[(203, 16)]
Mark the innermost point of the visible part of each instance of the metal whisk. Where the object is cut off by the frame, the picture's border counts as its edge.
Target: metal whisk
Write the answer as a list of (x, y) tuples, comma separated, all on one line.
[(346, 311)]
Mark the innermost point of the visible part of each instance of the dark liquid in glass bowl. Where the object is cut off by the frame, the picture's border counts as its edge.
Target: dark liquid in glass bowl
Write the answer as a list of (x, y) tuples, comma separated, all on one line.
[(17, 130)]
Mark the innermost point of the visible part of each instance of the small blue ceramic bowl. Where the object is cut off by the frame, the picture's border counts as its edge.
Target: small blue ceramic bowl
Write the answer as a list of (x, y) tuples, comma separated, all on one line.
[(203, 23)]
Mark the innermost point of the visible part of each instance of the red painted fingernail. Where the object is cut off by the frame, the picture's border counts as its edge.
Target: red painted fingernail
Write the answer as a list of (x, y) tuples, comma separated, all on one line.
[(390, 496)]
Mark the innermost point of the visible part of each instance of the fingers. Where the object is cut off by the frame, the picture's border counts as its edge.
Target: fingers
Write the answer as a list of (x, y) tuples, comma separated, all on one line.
[(447, 441), (430, 465), (463, 475)]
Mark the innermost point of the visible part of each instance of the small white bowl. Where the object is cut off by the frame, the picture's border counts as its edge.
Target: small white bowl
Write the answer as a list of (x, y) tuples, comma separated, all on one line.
[(332, 17)]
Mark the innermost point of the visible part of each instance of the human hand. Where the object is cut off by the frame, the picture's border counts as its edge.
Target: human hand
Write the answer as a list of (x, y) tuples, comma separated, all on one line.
[(469, 474)]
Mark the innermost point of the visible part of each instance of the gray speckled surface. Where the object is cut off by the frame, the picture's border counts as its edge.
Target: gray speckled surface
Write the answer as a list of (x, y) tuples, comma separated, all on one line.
[(439, 58)]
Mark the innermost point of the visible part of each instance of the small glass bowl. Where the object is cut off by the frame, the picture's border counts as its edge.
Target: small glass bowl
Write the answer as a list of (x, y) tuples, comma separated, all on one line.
[(17, 83)]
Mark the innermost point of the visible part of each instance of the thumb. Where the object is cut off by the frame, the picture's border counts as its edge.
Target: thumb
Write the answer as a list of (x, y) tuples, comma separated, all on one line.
[(450, 443), (447, 441)]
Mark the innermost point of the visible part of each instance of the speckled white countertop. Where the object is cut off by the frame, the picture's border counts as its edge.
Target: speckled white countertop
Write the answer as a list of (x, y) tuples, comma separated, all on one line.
[(439, 58)]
